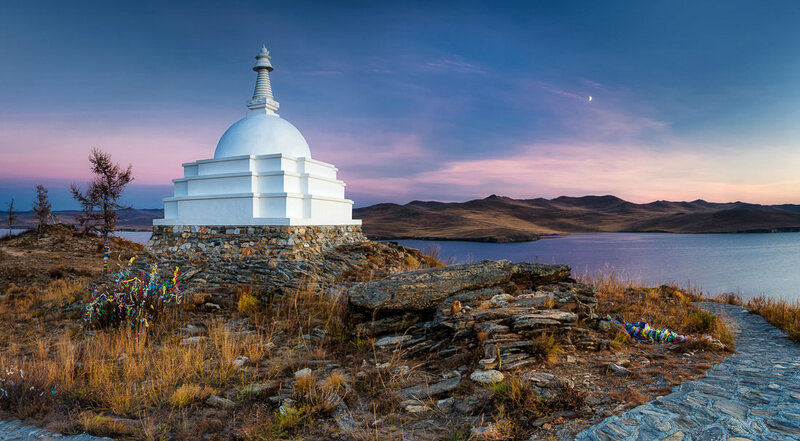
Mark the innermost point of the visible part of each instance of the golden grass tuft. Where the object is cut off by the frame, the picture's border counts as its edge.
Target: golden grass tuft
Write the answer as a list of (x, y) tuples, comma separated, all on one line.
[(248, 304), (411, 261), (189, 394), (546, 347)]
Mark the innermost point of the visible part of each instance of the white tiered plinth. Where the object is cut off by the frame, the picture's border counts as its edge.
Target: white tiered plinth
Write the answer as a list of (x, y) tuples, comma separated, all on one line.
[(271, 189)]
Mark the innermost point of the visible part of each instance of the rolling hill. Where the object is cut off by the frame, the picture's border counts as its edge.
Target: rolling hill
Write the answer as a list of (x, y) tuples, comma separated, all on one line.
[(502, 219)]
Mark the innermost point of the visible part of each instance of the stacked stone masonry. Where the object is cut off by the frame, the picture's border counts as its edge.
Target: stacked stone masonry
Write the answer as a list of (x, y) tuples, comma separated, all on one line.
[(249, 243)]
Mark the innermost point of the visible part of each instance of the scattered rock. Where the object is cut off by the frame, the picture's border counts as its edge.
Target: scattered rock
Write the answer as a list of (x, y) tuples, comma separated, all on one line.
[(423, 392), (488, 363), (619, 370), (487, 377), (489, 432), (217, 401), (392, 340), (286, 406), (259, 389), (344, 419), (446, 403), (193, 340), (302, 373)]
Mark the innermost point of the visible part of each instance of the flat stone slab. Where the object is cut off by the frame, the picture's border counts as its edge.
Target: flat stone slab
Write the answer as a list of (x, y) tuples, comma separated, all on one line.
[(752, 395), (15, 431)]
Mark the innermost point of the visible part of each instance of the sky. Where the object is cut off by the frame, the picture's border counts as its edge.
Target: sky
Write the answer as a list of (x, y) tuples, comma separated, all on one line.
[(415, 100)]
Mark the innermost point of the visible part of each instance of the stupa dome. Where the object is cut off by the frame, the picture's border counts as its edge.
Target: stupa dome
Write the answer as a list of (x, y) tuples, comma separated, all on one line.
[(262, 134), (262, 131)]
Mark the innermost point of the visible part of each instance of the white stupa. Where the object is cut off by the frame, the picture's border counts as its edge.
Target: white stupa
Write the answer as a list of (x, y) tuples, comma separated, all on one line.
[(261, 174)]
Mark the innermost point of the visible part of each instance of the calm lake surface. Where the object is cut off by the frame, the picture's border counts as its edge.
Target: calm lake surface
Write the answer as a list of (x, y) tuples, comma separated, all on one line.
[(748, 264)]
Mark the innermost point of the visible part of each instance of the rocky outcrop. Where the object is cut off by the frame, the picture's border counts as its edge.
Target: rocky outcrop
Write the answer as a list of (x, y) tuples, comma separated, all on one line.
[(510, 310), (341, 265), (424, 289)]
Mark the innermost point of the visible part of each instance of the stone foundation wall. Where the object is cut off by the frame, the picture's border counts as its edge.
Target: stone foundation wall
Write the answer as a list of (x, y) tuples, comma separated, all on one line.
[(250, 244)]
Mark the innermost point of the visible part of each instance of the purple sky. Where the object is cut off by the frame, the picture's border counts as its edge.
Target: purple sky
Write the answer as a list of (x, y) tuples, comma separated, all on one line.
[(415, 100)]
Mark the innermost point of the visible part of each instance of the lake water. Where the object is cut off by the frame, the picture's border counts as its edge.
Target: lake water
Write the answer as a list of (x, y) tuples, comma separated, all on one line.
[(748, 264)]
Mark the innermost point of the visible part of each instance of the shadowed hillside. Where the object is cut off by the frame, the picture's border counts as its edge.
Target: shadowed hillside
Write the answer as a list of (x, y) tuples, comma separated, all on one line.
[(502, 219)]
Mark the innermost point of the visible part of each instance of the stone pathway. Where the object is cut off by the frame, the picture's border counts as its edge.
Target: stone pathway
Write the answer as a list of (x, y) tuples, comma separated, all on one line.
[(15, 431), (752, 395)]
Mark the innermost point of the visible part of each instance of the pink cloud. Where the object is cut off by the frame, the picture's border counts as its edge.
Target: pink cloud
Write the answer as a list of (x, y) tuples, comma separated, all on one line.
[(60, 150), (633, 173)]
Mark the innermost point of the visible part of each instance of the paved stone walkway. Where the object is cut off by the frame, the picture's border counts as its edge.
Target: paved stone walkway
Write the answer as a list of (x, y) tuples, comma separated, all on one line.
[(15, 431), (752, 395)]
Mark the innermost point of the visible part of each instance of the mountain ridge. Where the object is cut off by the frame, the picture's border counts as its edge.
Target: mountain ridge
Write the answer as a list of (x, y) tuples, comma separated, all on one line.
[(503, 219)]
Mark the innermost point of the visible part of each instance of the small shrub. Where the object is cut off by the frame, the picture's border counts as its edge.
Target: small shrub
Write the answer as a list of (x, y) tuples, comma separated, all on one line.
[(546, 347), (305, 385), (248, 305), (287, 418), (411, 261), (621, 338), (701, 321), (335, 382), (432, 255)]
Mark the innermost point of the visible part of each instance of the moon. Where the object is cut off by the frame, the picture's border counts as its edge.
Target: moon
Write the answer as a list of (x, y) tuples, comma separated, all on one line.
[(590, 98)]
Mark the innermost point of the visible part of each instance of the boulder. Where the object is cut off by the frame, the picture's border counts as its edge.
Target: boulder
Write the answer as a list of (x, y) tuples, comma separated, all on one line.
[(424, 392), (427, 288), (487, 377)]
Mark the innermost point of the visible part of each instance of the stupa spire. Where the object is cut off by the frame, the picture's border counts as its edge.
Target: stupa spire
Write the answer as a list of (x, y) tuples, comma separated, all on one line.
[(262, 95)]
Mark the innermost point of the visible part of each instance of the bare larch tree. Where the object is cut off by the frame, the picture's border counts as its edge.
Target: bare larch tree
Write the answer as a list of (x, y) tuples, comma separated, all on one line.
[(41, 207), (100, 202), (12, 215)]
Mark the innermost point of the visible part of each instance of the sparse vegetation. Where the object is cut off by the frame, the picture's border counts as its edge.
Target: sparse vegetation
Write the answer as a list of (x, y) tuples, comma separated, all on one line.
[(140, 382), (663, 307), (546, 347), (433, 256)]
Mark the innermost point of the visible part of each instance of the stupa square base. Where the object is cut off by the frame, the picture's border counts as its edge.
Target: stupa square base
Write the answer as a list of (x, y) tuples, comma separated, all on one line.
[(252, 243)]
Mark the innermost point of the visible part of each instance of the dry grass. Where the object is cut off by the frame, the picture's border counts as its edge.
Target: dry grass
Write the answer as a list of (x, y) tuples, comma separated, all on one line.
[(518, 405), (130, 372), (546, 347), (189, 394), (663, 307), (782, 314)]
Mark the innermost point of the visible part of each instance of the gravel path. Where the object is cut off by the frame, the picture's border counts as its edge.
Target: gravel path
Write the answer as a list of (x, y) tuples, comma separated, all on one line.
[(15, 431), (752, 395)]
